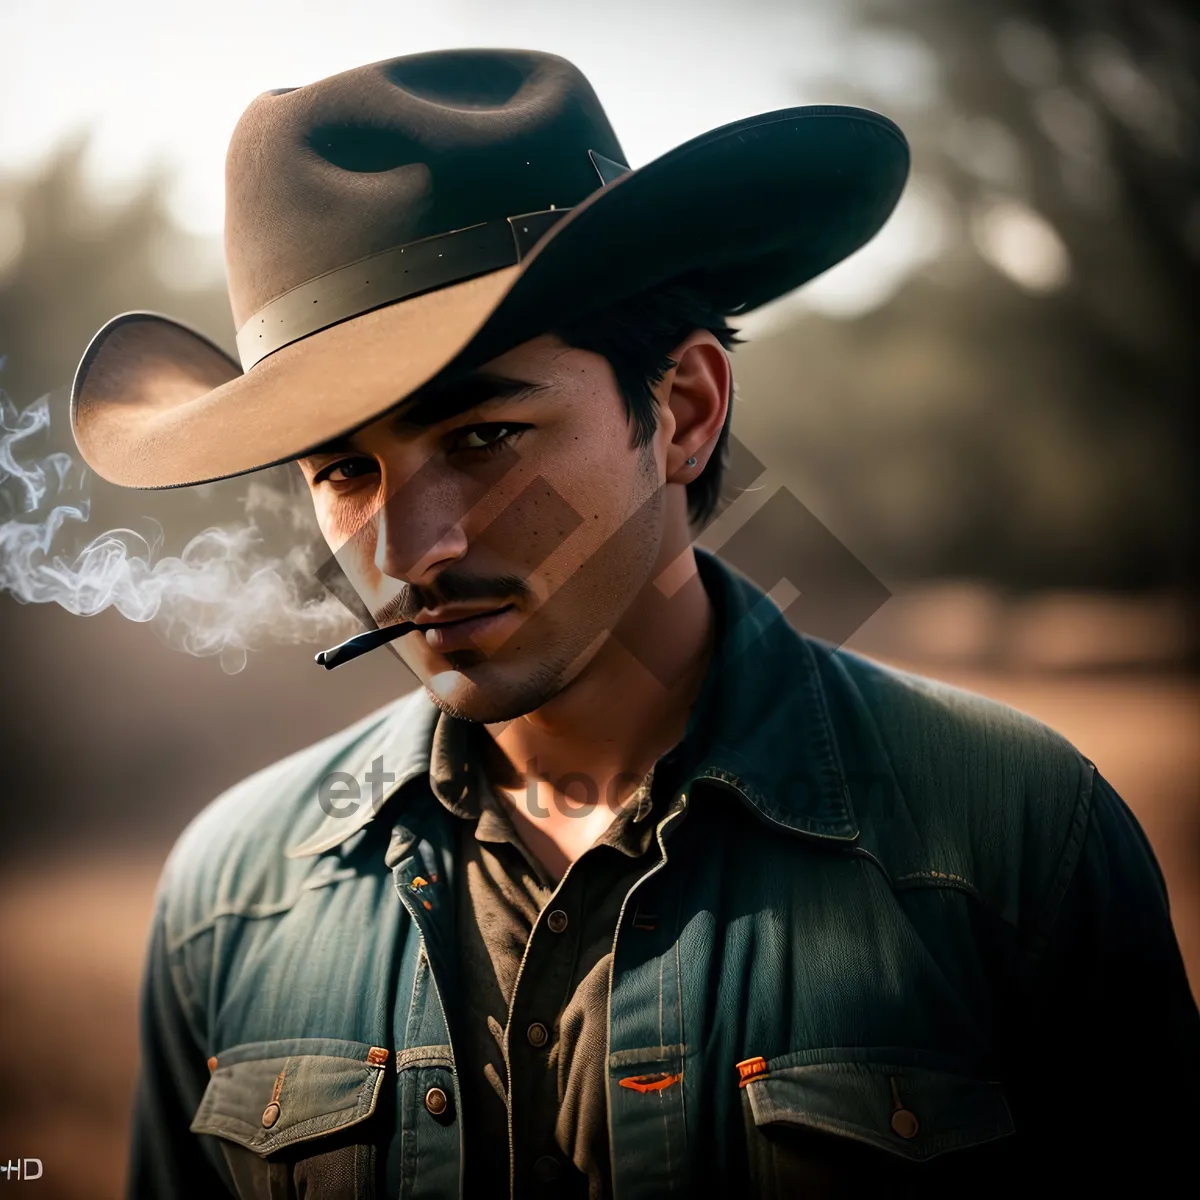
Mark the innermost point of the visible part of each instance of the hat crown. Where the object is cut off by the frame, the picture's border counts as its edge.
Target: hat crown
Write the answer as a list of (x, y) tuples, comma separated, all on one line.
[(324, 175)]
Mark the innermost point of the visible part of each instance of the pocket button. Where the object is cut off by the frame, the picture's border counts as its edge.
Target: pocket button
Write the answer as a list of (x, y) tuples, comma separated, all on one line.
[(270, 1115), (547, 1170), (905, 1123), (436, 1101)]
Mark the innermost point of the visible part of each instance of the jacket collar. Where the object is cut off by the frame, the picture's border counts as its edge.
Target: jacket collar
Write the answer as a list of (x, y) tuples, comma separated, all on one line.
[(764, 725), (396, 749), (761, 727)]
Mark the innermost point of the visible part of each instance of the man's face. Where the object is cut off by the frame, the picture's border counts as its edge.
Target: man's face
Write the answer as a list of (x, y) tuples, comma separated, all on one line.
[(519, 511)]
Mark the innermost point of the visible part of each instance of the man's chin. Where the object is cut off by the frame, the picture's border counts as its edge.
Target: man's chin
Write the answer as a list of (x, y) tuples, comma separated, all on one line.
[(478, 693)]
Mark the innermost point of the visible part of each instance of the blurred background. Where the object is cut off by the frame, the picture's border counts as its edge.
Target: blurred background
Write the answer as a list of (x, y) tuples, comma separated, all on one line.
[(991, 406)]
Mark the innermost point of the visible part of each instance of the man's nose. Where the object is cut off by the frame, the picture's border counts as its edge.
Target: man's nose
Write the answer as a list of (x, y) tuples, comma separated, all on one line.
[(417, 537)]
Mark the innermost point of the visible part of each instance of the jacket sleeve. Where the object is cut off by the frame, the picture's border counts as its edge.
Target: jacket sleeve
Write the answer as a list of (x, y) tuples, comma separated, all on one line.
[(1110, 1085), (166, 1158)]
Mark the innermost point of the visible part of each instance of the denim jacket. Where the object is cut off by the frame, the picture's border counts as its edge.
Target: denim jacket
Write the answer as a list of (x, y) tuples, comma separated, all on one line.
[(899, 936)]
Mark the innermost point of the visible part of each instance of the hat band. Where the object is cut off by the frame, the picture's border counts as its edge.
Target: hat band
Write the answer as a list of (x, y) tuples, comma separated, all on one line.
[(388, 276)]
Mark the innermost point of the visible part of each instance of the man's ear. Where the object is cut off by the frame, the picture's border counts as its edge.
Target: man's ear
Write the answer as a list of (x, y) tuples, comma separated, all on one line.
[(698, 399)]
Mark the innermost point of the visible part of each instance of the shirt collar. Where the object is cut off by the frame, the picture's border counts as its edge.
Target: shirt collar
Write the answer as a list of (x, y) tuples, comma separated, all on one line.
[(457, 779)]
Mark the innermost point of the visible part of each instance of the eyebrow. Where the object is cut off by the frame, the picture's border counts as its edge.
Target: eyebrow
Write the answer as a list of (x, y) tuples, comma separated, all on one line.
[(440, 401)]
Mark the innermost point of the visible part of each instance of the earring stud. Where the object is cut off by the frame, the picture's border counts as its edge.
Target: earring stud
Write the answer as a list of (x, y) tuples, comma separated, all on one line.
[(691, 462)]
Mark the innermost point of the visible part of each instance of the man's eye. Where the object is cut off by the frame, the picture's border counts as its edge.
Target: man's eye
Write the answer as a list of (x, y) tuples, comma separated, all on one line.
[(345, 470), (484, 437)]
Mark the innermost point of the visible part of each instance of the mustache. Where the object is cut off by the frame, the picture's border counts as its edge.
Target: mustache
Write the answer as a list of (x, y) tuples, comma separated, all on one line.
[(450, 587)]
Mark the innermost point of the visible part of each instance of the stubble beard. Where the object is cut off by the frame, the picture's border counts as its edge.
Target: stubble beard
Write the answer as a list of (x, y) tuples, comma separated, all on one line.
[(489, 704)]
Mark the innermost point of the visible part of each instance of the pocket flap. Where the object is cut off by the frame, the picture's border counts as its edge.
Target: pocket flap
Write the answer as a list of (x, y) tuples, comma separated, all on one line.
[(915, 1112), (269, 1095)]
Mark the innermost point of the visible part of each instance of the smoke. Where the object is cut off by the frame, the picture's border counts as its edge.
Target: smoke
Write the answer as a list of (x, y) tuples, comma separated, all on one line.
[(229, 591)]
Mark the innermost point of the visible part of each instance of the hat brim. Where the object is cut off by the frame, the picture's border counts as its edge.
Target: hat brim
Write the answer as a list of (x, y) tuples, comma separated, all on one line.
[(749, 212)]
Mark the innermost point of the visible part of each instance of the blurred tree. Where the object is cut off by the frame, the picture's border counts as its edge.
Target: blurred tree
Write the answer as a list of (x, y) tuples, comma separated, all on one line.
[(1022, 409), (74, 260)]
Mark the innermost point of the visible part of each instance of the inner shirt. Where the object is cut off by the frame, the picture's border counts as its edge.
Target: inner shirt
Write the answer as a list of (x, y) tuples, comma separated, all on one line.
[(550, 1034)]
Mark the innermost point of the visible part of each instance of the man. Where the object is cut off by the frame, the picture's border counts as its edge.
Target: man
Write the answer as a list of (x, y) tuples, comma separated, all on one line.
[(642, 893)]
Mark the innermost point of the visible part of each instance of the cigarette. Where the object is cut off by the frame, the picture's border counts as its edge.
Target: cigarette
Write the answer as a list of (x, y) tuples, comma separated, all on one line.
[(363, 643)]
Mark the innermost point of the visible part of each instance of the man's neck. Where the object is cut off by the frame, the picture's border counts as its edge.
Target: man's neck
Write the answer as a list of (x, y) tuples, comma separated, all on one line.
[(565, 770)]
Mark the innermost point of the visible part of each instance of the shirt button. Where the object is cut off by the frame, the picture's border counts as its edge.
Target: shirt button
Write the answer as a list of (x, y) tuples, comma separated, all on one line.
[(547, 1169), (557, 921), (436, 1101), (270, 1115), (905, 1123), (537, 1034)]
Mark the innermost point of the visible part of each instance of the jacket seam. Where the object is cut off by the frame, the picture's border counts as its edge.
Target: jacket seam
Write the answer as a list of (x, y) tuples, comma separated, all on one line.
[(1068, 862), (930, 878), (185, 997), (253, 912)]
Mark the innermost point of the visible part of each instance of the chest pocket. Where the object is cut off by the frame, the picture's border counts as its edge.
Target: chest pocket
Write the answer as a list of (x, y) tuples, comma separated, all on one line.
[(294, 1117), (858, 1128)]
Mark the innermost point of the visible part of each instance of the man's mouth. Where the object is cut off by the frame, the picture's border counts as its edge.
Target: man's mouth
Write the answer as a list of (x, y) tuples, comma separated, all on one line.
[(444, 629), (456, 629)]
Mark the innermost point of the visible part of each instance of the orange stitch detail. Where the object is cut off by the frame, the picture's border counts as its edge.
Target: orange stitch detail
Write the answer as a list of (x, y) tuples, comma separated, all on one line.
[(650, 1083)]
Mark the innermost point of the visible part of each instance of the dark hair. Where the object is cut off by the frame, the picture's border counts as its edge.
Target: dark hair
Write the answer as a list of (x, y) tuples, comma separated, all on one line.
[(635, 335)]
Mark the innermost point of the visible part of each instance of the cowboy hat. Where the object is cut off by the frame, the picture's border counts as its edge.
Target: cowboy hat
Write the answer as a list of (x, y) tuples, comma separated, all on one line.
[(393, 220)]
